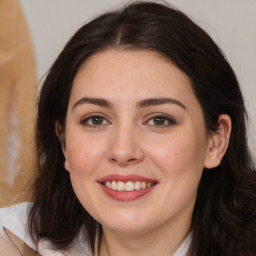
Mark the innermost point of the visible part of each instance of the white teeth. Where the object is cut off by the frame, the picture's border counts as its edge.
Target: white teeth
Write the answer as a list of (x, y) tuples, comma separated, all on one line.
[(137, 185), (120, 186), (113, 185), (108, 184), (149, 185), (143, 184), (127, 186)]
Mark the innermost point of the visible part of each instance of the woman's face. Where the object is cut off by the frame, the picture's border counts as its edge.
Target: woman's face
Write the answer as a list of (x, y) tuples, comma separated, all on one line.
[(136, 142)]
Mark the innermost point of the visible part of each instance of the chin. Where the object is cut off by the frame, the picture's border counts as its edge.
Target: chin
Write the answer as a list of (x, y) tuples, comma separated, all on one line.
[(127, 225)]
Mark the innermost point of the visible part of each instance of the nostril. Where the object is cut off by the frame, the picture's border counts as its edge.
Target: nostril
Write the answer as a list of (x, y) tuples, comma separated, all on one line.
[(123, 161), (131, 160)]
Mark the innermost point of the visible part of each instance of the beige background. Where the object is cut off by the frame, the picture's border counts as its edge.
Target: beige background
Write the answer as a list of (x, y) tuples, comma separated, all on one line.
[(18, 86)]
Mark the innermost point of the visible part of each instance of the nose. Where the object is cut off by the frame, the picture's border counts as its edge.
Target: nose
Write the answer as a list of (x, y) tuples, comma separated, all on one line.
[(125, 147)]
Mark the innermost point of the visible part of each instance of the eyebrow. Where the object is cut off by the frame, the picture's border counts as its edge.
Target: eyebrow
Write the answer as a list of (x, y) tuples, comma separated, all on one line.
[(141, 104), (94, 101), (159, 101)]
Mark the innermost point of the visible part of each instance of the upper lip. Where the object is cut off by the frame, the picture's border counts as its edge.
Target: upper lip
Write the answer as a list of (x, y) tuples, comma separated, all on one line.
[(125, 178)]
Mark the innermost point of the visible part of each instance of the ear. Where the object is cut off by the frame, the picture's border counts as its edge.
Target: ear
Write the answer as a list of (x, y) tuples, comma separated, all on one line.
[(60, 134), (66, 165), (218, 142)]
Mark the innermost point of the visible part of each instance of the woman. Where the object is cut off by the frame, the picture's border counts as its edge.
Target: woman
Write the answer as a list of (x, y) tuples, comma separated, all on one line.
[(141, 143)]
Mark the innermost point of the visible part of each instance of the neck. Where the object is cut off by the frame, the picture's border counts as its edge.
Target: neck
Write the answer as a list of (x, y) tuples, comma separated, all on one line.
[(163, 241)]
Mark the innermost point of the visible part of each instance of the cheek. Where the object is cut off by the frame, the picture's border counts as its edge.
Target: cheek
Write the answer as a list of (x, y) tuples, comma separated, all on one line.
[(84, 154), (179, 155), (180, 161)]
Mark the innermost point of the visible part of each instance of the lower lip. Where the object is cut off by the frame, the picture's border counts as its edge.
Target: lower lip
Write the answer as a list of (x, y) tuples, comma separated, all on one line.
[(125, 195)]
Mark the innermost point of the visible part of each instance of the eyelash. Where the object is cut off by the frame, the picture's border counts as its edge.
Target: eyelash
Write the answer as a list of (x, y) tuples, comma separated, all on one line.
[(171, 121)]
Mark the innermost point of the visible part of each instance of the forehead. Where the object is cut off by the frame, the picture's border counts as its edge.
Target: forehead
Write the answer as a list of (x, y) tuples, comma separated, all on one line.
[(126, 74)]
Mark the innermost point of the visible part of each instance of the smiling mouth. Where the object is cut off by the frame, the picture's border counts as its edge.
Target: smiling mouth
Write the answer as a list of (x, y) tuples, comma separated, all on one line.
[(128, 186)]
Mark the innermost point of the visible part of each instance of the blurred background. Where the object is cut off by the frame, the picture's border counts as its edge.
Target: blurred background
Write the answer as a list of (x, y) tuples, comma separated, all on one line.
[(32, 34)]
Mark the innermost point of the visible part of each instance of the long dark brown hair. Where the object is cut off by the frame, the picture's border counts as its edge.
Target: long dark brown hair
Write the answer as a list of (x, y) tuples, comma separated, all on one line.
[(224, 217)]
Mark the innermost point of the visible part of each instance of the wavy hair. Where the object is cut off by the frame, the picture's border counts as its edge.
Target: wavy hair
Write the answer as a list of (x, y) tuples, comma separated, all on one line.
[(224, 217)]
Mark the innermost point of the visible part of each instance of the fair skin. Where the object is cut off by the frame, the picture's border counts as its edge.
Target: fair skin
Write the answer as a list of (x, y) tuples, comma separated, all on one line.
[(133, 116)]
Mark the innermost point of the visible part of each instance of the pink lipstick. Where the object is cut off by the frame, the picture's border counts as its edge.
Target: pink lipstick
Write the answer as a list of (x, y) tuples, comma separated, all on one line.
[(126, 187)]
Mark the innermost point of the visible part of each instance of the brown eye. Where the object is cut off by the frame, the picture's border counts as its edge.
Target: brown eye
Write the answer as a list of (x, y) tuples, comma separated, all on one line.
[(94, 121), (159, 121), (97, 120)]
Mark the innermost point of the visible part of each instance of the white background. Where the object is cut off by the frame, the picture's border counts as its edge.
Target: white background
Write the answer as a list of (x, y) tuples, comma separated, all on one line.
[(231, 23)]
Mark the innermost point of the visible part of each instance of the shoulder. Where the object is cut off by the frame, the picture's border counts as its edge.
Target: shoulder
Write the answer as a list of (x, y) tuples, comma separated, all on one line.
[(14, 238), (11, 245), (14, 219)]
